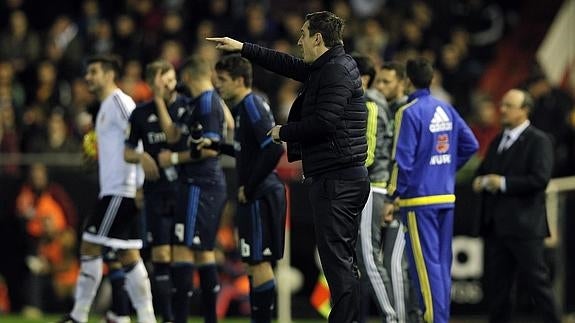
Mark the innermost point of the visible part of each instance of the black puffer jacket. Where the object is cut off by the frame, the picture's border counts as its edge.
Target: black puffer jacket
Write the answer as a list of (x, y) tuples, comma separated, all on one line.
[(327, 122)]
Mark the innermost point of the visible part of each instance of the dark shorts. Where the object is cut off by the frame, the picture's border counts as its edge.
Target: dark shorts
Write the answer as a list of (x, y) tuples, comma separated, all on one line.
[(261, 227), (198, 212), (160, 210), (115, 223)]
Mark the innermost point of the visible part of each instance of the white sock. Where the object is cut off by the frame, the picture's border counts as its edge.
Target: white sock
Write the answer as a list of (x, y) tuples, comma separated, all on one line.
[(138, 287), (86, 287)]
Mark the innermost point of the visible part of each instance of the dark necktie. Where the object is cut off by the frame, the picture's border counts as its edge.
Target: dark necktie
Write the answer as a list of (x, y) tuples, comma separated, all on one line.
[(504, 144)]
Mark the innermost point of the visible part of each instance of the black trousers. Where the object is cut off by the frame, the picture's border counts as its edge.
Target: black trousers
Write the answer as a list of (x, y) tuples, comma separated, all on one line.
[(337, 206), (504, 259)]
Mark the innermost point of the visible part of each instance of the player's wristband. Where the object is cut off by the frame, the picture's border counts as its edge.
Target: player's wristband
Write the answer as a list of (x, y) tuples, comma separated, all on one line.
[(175, 158)]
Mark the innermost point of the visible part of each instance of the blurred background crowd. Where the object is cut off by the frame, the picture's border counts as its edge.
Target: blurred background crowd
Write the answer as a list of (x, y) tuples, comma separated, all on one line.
[(480, 48)]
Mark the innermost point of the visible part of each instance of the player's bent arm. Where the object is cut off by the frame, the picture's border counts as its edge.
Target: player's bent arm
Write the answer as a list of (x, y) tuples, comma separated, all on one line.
[(149, 166), (168, 126), (132, 156), (186, 156)]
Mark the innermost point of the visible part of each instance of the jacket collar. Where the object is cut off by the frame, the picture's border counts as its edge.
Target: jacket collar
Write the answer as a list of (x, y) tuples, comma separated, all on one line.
[(336, 50), (418, 93)]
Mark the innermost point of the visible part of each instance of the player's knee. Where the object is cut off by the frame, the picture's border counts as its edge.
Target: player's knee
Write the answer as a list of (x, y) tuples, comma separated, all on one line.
[(162, 254), (261, 273), (182, 254), (205, 257), (90, 249), (129, 256)]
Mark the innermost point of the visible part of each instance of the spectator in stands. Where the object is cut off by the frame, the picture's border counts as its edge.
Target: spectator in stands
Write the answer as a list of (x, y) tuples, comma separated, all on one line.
[(551, 114), (372, 40), (173, 52), (18, 43), (205, 28), (50, 258), (50, 89), (259, 29), (173, 28), (10, 89), (133, 84), (9, 138), (65, 47), (342, 9), (148, 18), (456, 79), (89, 18), (290, 27), (128, 39), (485, 123), (49, 93), (57, 137), (485, 22), (411, 37), (101, 41), (219, 13)]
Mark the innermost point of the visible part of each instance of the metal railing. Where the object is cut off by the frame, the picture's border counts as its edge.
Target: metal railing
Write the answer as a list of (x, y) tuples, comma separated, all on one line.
[(555, 202)]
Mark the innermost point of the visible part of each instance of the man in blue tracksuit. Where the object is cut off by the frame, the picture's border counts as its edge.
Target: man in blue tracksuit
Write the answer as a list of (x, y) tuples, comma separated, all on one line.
[(431, 142)]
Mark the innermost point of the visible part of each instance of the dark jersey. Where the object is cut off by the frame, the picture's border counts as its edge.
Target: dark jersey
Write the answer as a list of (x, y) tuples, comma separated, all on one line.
[(145, 126), (256, 154), (207, 109)]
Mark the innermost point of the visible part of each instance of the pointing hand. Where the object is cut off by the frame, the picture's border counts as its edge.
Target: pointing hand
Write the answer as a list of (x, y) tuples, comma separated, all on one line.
[(226, 44)]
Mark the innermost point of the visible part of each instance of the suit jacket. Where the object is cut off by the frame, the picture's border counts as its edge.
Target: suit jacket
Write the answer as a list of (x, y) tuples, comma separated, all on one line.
[(519, 212)]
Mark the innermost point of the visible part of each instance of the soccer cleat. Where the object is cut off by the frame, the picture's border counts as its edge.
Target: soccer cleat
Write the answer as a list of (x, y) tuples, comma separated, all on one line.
[(67, 319), (111, 317)]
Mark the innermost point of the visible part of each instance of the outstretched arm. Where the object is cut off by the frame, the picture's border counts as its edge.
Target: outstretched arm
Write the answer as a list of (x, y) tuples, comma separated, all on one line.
[(277, 62)]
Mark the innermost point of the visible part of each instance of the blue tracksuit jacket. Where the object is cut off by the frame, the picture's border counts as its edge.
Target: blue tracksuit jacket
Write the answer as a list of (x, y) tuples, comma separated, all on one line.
[(431, 142)]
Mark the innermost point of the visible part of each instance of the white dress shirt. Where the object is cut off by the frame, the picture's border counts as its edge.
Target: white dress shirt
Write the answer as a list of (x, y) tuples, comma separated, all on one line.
[(508, 139)]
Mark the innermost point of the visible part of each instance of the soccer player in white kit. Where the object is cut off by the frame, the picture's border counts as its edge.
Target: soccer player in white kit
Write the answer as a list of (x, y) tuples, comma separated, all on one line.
[(115, 220)]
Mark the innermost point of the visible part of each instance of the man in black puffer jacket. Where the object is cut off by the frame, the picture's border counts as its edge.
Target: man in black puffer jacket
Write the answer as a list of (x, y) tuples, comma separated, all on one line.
[(326, 130)]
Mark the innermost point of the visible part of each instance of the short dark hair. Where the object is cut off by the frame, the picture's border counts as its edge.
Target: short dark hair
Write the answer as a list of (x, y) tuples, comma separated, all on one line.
[(196, 65), (420, 72), (328, 25), (236, 66), (365, 66), (398, 67), (154, 67), (109, 62), (528, 101)]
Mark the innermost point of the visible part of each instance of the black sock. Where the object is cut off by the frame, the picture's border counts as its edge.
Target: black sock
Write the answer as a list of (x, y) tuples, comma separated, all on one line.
[(182, 283), (120, 300), (210, 286), (163, 290), (262, 299)]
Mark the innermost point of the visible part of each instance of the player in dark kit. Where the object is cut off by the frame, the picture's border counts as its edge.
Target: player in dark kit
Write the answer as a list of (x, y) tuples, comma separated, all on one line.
[(160, 185), (202, 188), (261, 195)]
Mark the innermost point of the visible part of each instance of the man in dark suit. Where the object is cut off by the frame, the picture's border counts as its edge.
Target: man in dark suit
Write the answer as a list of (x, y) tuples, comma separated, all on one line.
[(512, 181)]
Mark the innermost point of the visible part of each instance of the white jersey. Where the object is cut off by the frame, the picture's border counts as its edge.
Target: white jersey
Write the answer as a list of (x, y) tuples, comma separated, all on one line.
[(116, 176)]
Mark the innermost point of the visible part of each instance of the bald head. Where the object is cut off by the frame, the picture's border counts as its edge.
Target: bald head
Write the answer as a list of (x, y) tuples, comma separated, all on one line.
[(515, 107)]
